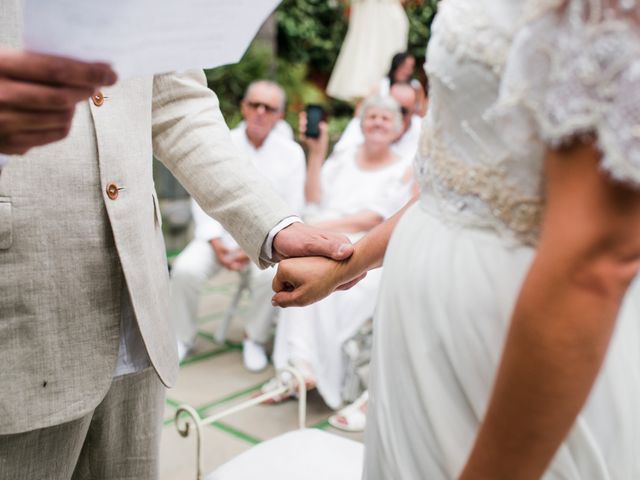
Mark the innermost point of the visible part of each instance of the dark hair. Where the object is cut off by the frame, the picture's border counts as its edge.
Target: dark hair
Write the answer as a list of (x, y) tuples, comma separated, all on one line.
[(397, 60)]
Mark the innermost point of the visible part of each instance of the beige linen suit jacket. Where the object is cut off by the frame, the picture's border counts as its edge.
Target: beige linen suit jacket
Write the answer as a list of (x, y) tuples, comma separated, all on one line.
[(66, 246)]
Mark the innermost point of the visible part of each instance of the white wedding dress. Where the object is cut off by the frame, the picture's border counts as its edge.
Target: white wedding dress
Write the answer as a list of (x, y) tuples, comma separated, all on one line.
[(507, 78)]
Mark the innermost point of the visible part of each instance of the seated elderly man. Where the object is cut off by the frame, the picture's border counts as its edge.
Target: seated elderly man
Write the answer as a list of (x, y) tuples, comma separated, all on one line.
[(282, 163), (406, 144)]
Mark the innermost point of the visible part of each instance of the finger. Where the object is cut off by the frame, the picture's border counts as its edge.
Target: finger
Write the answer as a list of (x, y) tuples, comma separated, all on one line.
[(54, 70), (279, 281), (348, 285), (21, 143), (334, 247), (288, 299), (15, 121), (33, 96)]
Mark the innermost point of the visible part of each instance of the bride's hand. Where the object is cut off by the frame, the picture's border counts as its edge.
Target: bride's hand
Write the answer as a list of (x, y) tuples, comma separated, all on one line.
[(305, 280)]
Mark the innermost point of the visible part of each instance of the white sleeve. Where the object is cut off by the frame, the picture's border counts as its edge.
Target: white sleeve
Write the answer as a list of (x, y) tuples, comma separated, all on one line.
[(574, 69), (394, 197), (295, 198), (206, 227)]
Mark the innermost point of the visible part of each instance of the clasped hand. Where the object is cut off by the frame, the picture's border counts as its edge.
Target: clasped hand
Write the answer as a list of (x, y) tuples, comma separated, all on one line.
[(317, 270)]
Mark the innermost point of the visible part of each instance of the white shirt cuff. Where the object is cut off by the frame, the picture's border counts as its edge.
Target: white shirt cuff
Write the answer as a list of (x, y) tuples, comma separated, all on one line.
[(267, 247)]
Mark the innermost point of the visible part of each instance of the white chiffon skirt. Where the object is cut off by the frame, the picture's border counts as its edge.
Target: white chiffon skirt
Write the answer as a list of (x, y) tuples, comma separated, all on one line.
[(445, 302)]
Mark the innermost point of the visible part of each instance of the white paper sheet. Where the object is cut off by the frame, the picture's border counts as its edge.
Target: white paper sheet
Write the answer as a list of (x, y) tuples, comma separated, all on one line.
[(142, 37)]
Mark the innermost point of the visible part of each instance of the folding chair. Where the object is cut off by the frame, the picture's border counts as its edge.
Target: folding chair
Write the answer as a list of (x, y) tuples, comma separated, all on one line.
[(309, 454)]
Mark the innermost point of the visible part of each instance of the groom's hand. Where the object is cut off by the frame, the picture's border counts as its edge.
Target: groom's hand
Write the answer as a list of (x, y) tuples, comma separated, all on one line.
[(300, 240), (38, 96)]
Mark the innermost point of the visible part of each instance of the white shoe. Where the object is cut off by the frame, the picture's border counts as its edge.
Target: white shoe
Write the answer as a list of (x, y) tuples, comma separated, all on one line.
[(183, 350), (253, 355), (352, 418)]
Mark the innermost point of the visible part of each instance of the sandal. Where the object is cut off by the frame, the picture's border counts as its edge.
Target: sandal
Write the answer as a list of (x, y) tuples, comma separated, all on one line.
[(288, 380), (352, 418), (270, 386)]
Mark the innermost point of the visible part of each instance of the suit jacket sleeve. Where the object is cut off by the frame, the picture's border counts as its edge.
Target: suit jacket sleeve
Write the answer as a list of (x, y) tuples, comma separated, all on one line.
[(191, 138)]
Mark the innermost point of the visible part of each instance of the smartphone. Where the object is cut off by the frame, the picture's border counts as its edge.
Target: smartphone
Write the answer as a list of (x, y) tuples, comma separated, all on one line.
[(315, 114)]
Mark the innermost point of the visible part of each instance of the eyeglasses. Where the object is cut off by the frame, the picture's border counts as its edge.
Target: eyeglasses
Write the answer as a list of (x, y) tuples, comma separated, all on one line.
[(267, 108)]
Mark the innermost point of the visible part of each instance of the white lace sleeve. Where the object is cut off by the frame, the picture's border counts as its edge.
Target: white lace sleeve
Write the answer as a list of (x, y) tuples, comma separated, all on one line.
[(574, 69)]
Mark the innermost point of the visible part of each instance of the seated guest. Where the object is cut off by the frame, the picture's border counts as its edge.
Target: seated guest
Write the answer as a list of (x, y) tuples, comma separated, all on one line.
[(355, 190), (406, 144), (282, 163)]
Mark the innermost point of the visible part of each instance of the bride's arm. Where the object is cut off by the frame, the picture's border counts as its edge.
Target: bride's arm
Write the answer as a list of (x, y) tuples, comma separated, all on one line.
[(588, 254), (301, 281), (358, 222)]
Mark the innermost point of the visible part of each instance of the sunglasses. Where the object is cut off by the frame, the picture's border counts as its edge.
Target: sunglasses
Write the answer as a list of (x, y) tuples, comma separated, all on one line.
[(267, 108)]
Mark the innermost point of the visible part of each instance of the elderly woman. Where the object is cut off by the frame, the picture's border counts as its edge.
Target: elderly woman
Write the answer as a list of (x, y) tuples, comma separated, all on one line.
[(352, 192)]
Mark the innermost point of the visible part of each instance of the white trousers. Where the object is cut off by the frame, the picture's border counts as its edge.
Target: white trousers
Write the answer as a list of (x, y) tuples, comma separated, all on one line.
[(191, 269)]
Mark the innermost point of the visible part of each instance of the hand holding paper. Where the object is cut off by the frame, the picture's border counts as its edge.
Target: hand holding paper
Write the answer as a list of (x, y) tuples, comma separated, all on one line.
[(38, 95)]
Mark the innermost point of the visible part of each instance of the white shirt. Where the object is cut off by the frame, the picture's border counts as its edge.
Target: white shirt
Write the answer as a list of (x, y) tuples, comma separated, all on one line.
[(405, 147), (281, 128)]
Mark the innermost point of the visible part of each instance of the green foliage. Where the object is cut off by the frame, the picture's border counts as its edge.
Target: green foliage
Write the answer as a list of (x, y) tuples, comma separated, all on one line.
[(311, 32), (420, 13)]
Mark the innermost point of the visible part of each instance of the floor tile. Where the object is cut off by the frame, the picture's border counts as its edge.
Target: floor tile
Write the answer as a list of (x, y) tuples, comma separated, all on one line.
[(178, 454)]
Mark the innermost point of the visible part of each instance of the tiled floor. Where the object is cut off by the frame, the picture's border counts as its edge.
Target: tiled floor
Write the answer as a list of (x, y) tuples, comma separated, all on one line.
[(213, 378)]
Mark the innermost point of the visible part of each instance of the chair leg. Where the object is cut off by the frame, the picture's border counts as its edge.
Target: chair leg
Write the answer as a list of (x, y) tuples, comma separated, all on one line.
[(222, 330)]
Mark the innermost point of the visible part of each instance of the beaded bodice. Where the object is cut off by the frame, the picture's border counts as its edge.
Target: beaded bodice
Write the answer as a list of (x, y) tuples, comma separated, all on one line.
[(476, 169), (468, 174)]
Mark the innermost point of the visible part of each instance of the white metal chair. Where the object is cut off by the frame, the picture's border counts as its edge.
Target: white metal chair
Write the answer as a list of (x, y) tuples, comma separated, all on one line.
[(244, 285), (309, 454)]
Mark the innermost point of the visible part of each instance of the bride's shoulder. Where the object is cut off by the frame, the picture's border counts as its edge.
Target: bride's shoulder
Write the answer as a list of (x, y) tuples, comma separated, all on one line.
[(584, 12)]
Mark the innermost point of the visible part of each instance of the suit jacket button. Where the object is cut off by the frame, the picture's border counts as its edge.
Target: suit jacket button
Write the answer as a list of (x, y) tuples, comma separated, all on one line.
[(98, 99), (112, 191)]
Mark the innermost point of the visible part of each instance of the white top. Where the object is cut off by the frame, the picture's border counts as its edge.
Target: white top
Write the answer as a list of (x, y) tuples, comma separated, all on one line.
[(405, 146), (282, 163), (347, 189)]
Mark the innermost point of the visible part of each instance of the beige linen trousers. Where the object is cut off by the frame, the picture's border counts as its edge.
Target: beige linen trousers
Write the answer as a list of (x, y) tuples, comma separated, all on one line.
[(79, 217)]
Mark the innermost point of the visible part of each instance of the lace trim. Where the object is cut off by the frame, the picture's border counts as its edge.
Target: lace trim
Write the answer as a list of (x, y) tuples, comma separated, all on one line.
[(465, 30), (566, 79), (595, 9), (461, 186)]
